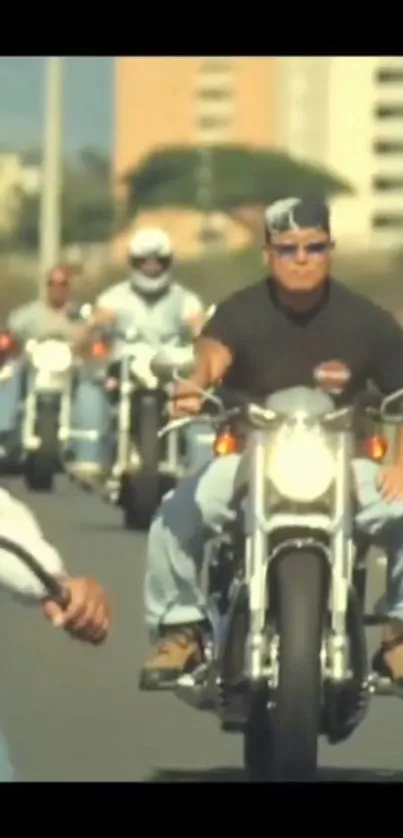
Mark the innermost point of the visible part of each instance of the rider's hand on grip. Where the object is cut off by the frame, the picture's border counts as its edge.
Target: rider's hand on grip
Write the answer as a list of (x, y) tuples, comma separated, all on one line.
[(85, 613), (185, 400)]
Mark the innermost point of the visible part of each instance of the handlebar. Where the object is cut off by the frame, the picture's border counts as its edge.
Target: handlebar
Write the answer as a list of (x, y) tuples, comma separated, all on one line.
[(53, 587), (233, 403)]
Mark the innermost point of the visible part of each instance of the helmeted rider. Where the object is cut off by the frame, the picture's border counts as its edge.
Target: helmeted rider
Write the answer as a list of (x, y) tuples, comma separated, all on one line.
[(156, 310), (149, 301)]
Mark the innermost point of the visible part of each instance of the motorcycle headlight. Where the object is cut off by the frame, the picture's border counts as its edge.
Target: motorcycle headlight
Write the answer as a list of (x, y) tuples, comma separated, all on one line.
[(300, 464), (52, 356)]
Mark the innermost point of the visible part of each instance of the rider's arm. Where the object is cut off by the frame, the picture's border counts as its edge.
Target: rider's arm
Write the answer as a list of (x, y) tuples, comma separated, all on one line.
[(104, 312), (19, 525), (217, 346), (193, 314), (387, 364), (19, 321)]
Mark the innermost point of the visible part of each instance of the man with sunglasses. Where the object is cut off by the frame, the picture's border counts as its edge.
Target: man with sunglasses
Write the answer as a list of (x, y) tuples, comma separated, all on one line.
[(281, 332), (58, 315)]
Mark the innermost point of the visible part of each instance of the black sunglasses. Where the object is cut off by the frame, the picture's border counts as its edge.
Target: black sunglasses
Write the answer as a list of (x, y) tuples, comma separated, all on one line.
[(290, 251)]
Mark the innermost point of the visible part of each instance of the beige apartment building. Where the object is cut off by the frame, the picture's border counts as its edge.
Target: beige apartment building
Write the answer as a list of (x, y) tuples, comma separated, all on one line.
[(195, 101), (342, 112), (346, 112)]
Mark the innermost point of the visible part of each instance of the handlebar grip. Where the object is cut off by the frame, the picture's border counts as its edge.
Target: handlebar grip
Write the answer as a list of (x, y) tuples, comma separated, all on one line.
[(54, 588)]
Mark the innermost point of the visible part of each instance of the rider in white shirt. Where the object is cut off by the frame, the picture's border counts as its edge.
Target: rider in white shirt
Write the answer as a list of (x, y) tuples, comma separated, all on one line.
[(159, 310), (149, 304)]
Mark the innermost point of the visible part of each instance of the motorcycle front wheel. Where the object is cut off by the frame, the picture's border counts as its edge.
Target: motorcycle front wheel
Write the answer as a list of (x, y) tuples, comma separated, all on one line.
[(41, 466), (281, 742)]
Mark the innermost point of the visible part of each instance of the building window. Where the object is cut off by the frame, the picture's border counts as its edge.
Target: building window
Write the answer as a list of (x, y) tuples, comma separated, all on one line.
[(389, 75), (388, 146), (214, 94), (387, 184), (389, 111), (207, 123), (394, 221), (216, 65)]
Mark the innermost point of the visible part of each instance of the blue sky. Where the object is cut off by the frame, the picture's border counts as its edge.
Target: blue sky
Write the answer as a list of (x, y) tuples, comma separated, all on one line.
[(88, 102)]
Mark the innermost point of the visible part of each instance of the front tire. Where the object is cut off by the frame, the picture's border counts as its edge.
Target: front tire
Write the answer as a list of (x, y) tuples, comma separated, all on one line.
[(41, 465), (141, 492), (281, 744)]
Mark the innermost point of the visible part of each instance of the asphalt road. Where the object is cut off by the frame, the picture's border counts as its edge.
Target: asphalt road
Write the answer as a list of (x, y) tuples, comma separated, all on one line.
[(73, 713)]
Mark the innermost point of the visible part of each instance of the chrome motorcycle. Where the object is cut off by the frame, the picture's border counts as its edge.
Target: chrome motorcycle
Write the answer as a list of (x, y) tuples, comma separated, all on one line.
[(145, 467), (286, 659), (46, 409)]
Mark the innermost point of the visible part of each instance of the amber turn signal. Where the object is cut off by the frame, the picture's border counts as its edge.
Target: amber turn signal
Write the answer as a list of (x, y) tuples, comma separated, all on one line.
[(99, 349), (225, 443), (375, 447)]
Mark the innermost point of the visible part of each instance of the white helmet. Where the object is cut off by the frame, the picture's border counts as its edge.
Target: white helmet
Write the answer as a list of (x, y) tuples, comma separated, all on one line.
[(148, 243)]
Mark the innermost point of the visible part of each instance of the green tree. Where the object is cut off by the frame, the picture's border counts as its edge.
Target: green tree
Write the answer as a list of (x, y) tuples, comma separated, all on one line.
[(241, 177)]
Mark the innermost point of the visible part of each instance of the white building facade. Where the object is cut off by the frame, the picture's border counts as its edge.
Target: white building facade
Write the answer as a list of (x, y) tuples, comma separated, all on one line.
[(346, 113)]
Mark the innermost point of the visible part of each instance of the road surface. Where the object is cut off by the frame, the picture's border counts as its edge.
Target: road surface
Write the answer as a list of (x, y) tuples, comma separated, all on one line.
[(74, 713)]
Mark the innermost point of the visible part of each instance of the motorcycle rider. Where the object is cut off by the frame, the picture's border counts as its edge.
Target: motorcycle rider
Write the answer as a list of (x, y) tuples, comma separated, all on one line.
[(56, 314), (268, 337), (149, 303), (86, 617)]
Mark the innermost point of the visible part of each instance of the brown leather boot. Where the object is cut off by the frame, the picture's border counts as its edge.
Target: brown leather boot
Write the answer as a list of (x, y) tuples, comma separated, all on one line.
[(179, 650), (389, 659)]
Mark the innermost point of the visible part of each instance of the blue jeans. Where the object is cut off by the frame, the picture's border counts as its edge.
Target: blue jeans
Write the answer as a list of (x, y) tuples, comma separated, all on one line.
[(10, 392), (90, 412), (200, 505), (6, 770)]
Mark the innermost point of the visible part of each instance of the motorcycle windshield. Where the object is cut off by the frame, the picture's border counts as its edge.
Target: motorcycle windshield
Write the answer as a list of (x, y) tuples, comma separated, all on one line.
[(304, 402)]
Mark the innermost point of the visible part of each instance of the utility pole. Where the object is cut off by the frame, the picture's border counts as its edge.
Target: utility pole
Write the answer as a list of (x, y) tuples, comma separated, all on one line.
[(51, 179), (205, 182)]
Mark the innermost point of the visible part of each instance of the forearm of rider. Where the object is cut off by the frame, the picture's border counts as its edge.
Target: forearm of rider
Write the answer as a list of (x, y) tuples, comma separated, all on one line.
[(213, 359), (399, 447), (80, 336), (195, 324)]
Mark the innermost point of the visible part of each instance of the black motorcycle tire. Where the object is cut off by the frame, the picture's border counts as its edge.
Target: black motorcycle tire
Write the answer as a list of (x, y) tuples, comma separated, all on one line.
[(141, 492), (41, 465), (281, 743)]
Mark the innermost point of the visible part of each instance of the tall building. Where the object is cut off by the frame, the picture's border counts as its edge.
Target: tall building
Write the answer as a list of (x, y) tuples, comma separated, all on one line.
[(346, 113), (342, 112), (196, 101)]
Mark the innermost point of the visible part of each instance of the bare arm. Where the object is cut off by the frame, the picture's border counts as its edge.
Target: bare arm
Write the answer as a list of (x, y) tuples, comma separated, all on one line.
[(213, 359)]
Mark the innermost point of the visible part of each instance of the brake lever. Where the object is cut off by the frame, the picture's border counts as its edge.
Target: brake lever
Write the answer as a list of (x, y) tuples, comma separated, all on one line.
[(198, 391)]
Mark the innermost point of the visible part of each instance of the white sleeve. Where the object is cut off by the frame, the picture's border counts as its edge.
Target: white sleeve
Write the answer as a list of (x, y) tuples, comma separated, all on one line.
[(20, 319), (109, 299), (18, 524), (193, 305)]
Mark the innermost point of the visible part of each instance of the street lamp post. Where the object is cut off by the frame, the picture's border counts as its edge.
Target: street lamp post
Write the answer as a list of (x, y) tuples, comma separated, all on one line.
[(51, 180)]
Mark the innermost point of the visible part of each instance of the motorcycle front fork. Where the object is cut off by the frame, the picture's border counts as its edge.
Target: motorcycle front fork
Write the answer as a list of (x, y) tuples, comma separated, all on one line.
[(30, 440), (127, 455)]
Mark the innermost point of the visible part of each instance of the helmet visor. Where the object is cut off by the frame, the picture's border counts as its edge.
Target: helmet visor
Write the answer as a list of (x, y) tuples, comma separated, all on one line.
[(150, 266)]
